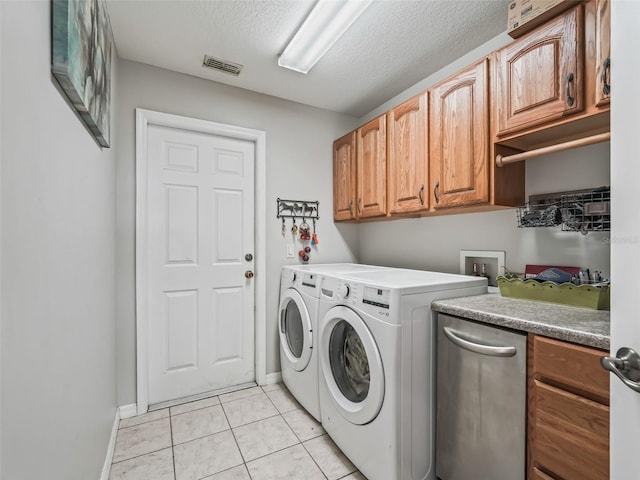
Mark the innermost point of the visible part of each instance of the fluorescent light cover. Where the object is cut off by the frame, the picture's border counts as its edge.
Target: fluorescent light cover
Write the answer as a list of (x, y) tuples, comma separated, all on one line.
[(326, 23)]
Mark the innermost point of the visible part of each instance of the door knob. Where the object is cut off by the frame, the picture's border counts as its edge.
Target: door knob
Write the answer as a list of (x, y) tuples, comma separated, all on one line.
[(248, 257), (626, 366), (248, 274)]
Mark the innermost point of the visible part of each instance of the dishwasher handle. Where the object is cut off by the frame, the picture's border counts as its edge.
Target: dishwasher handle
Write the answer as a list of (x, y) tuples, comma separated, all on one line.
[(489, 350)]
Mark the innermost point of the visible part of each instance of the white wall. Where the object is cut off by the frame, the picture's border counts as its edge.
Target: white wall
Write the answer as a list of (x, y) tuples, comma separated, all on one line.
[(299, 155), (435, 242), (58, 268)]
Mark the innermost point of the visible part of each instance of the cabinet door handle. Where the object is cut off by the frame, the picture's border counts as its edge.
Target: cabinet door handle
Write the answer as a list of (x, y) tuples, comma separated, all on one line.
[(488, 350), (359, 205), (626, 366), (435, 191), (606, 67), (351, 207), (570, 99), (420, 194)]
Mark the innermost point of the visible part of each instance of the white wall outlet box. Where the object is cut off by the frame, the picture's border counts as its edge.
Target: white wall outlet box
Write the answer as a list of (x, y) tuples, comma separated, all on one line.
[(494, 260)]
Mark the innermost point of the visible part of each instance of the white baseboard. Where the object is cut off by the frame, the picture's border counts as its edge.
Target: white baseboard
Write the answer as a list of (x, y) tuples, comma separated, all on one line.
[(128, 411), (106, 468), (272, 378)]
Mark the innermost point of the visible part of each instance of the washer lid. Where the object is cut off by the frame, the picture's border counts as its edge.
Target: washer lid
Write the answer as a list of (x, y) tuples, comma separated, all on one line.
[(296, 333), (351, 365)]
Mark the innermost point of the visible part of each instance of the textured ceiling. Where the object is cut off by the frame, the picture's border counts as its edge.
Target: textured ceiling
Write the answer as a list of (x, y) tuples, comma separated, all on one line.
[(393, 45)]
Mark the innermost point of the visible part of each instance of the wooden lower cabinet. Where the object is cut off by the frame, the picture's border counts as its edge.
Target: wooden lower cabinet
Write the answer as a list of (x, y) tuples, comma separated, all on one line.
[(568, 424)]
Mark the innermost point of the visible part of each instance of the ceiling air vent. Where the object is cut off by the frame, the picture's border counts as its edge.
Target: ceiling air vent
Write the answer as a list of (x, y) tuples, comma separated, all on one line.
[(224, 66)]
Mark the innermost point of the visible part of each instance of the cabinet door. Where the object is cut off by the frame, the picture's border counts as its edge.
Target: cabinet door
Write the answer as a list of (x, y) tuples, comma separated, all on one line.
[(459, 138), (372, 168), (603, 52), (572, 434), (408, 156), (540, 76), (568, 413), (344, 177)]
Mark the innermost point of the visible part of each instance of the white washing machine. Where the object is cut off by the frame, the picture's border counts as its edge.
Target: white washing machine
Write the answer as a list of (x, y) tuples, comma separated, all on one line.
[(376, 353), (298, 328)]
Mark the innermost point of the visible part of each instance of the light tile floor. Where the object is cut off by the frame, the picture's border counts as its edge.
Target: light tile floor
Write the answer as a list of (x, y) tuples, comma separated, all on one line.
[(259, 433)]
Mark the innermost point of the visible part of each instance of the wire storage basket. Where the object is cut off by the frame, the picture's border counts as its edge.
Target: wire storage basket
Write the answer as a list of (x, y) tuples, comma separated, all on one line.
[(588, 211), (540, 211)]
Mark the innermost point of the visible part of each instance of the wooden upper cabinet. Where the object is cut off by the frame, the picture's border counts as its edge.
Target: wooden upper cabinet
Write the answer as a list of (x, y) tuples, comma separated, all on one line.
[(371, 151), (603, 52), (344, 177), (540, 75), (408, 166), (459, 138)]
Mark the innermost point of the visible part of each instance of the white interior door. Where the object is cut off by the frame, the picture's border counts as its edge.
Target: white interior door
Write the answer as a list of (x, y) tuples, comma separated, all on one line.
[(200, 226), (625, 233)]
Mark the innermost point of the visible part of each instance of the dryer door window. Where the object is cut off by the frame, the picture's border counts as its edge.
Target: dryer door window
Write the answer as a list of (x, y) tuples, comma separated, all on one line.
[(351, 365), (292, 328), (349, 362), (295, 330)]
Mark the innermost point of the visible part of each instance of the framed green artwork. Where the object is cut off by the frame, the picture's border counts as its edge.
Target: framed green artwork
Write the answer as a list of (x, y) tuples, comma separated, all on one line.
[(81, 50)]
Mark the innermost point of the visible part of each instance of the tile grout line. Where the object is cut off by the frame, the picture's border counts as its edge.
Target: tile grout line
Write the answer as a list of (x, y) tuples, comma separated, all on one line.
[(301, 442), (146, 453), (233, 434), (173, 452), (278, 413), (314, 460), (141, 423)]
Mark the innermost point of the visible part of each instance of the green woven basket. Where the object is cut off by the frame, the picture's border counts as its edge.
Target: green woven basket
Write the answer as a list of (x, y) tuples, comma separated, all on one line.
[(586, 296)]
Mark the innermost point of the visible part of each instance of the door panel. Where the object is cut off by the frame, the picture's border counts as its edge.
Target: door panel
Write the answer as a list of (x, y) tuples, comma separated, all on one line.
[(603, 52), (371, 152), (227, 242), (540, 75), (181, 330), (625, 231), (408, 164), (182, 224), (459, 138), (228, 333), (200, 226), (344, 177)]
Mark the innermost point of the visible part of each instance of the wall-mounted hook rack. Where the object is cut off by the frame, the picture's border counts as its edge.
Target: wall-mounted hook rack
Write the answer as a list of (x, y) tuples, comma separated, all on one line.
[(297, 209)]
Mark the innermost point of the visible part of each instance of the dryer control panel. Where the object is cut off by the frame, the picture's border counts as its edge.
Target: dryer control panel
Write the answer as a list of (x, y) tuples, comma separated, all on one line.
[(378, 297)]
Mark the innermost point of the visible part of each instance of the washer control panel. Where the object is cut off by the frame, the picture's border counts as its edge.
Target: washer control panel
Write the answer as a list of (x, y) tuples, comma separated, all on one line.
[(378, 297), (374, 300), (344, 290)]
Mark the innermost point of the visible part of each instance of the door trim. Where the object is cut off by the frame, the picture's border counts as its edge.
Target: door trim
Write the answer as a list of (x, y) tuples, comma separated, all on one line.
[(144, 118)]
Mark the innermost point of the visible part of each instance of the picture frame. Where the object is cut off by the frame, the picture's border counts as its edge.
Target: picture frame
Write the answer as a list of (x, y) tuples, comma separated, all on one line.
[(81, 50)]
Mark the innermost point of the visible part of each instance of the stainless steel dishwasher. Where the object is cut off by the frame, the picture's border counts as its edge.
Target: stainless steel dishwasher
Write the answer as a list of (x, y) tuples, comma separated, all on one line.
[(480, 401)]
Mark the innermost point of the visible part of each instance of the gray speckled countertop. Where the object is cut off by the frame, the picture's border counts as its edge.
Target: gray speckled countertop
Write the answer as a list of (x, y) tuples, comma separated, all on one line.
[(578, 325)]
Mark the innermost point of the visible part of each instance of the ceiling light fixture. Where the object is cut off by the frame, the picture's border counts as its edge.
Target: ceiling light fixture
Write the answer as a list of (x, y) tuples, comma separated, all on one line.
[(326, 23)]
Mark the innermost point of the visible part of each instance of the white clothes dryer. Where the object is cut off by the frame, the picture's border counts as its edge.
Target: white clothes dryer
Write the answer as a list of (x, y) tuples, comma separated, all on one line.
[(298, 328), (376, 353)]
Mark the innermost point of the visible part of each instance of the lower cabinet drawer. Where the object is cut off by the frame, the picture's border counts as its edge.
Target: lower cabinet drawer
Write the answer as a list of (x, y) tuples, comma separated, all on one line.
[(574, 367), (538, 475), (571, 434)]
